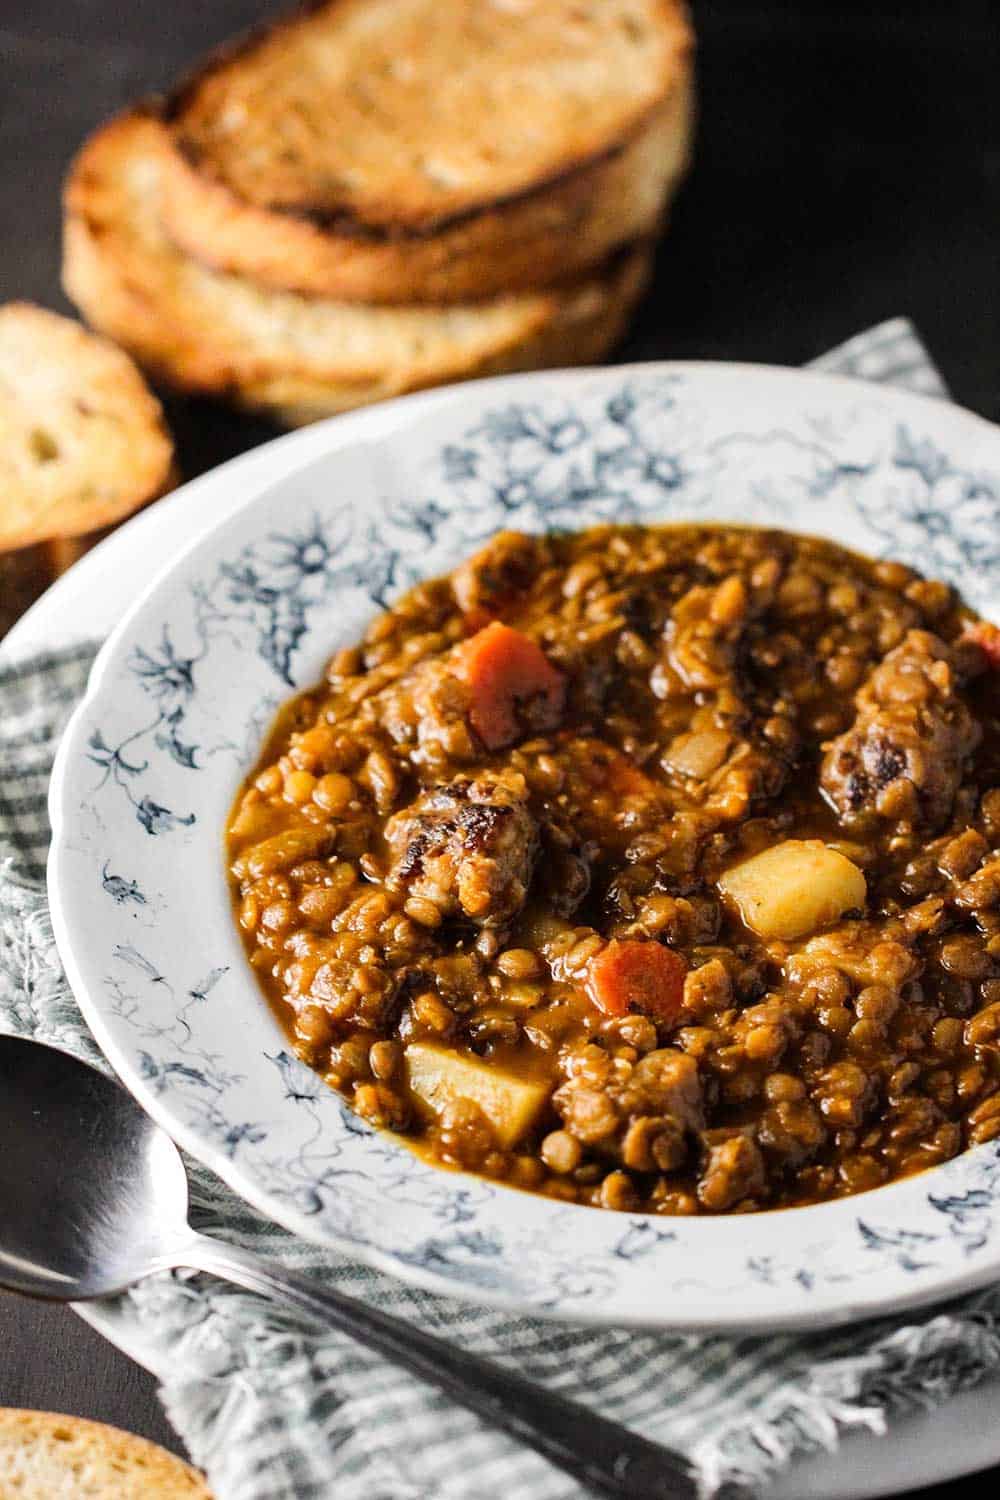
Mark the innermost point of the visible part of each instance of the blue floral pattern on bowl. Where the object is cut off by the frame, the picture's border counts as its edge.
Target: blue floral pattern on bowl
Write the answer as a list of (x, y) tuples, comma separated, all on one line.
[(180, 699)]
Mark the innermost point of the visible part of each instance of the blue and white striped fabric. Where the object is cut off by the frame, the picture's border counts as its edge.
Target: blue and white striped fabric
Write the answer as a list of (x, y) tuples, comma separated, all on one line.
[(892, 354), (274, 1411)]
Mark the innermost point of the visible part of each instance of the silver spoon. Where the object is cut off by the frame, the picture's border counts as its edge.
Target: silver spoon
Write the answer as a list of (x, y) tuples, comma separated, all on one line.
[(94, 1196)]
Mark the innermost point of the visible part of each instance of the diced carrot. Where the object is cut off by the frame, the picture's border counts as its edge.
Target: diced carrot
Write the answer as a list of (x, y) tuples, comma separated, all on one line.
[(987, 637), (507, 673), (629, 975), (623, 778), (601, 767)]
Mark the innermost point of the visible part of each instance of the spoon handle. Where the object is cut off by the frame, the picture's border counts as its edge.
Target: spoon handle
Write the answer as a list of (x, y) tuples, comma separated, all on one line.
[(602, 1455)]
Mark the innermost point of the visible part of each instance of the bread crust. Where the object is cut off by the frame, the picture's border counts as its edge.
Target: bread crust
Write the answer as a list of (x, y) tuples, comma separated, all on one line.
[(580, 207), (85, 443), (586, 330), (44, 1454), (297, 358)]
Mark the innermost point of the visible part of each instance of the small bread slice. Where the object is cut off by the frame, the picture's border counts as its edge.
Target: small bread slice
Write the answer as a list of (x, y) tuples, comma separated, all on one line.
[(432, 150), (298, 358), (82, 439), (44, 1456)]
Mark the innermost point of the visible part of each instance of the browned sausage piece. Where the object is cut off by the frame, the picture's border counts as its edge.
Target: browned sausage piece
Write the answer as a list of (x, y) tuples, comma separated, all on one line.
[(468, 847), (904, 755)]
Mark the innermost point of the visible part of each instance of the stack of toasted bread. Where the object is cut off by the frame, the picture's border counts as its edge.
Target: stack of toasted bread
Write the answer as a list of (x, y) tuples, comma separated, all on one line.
[(374, 196)]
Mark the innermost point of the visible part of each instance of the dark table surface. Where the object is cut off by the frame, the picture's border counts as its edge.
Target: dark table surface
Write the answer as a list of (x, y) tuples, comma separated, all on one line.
[(848, 169)]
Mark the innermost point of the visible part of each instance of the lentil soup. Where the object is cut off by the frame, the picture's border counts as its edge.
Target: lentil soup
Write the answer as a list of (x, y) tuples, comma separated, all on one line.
[(653, 868)]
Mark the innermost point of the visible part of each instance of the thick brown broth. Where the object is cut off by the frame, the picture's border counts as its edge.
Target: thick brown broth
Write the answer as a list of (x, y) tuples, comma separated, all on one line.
[(485, 871)]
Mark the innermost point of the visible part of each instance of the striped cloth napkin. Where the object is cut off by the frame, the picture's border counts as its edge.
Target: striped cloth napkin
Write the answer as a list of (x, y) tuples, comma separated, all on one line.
[(273, 1410)]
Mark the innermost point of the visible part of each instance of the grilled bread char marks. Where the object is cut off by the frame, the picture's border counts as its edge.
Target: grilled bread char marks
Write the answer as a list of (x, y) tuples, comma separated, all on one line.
[(392, 150), (301, 359)]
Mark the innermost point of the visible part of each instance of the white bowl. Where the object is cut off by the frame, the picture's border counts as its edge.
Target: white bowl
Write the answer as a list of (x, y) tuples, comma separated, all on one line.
[(176, 708)]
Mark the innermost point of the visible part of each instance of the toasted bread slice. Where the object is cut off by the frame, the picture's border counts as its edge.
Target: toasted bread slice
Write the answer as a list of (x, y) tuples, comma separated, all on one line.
[(297, 357), (82, 440), (432, 150), (44, 1456)]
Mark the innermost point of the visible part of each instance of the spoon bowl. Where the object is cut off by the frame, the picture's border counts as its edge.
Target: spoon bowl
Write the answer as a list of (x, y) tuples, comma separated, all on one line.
[(93, 1191)]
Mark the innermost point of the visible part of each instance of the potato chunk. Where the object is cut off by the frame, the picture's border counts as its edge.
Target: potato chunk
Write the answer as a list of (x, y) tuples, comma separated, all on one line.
[(438, 1078), (794, 889)]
